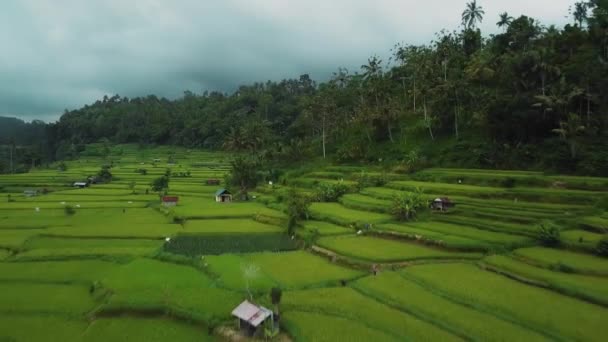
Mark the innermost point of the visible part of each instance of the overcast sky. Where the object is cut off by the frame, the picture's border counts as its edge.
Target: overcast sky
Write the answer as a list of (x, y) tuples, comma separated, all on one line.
[(58, 54)]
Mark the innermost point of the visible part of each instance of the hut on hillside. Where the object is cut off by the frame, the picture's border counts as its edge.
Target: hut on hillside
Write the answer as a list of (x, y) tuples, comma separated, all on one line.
[(81, 185), (170, 201), (30, 193), (223, 196), (250, 318), (441, 204)]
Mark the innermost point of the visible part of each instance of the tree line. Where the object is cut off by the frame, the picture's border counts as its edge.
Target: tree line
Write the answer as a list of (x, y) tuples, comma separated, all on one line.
[(531, 96)]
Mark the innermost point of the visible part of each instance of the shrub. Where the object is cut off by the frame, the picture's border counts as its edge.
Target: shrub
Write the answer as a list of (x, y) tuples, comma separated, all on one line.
[(62, 167), (142, 172), (602, 247), (548, 234), (508, 182), (69, 210), (406, 205), (297, 208), (602, 203), (330, 192), (104, 174)]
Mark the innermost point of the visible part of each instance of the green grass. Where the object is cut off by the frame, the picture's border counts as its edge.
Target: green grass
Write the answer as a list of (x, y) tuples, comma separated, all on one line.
[(536, 308), (336, 213), (591, 288), (383, 250), (462, 320), (143, 329), (489, 224), (15, 238), (347, 303), (555, 258)]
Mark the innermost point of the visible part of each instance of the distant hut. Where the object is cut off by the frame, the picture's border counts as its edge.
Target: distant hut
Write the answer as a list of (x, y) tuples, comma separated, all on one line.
[(441, 204), (30, 193), (213, 182), (170, 201), (223, 196), (250, 317), (81, 185)]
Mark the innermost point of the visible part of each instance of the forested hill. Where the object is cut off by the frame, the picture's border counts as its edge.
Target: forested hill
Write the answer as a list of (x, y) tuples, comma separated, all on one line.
[(530, 97)]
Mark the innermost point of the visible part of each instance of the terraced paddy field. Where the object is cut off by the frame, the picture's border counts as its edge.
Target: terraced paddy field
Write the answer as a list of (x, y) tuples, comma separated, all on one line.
[(121, 267)]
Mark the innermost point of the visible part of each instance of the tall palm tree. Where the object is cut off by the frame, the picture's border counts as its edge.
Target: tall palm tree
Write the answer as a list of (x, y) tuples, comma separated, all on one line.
[(505, 20), (472, 15), (569, 130), (580, 13)]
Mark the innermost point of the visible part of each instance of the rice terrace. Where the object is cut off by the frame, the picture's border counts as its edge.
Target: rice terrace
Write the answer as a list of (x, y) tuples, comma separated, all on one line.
[(453, 187), (110, 262)]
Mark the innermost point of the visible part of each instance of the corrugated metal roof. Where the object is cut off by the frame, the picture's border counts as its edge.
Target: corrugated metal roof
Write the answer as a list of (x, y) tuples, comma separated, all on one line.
[(251, 313), (222, 192)]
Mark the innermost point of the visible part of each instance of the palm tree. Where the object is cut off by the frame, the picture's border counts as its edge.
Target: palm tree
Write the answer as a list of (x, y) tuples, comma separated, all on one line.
[(472, 15), (580, 13), (570, 130), (505, 20)]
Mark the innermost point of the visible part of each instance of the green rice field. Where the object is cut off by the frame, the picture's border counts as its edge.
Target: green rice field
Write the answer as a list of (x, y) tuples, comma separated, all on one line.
[(119, 266)]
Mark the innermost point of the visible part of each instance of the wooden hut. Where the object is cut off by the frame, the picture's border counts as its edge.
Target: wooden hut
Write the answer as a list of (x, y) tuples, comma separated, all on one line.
[(170, 201), (250, 318), (223, 196), (441, 204)]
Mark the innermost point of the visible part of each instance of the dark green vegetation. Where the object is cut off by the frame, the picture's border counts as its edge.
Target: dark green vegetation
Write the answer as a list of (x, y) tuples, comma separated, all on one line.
[(225, 243), (530, 97)]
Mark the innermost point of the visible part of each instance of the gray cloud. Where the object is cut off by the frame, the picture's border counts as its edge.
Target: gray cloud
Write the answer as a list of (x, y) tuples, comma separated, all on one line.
[(58, 54)]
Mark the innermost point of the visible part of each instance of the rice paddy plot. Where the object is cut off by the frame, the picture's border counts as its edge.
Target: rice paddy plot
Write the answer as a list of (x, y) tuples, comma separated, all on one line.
[(336, 213), (229, 226), (126, 329), (116, 230), (489, 224), (434, 238), (318, 327), (144, 285), (590, 288), (545, 311), (214, 244), (40, 327), (347, 303), (207, 208), (292, 270), (503, 239), (460, 319), (383, 250), (73, 300), (49, 248), (326, 228), (238, 273), (563, 259), (80, 271), (581, 238), (15, 238), (357, 201)]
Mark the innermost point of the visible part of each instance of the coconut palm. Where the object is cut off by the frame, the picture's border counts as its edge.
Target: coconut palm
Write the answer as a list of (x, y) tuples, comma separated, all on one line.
[(505, 20), (580, 13), (472, 15), (569, 131)]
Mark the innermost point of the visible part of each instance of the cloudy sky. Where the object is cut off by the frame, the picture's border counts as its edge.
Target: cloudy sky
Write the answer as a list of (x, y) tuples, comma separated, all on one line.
[(58, 54)]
